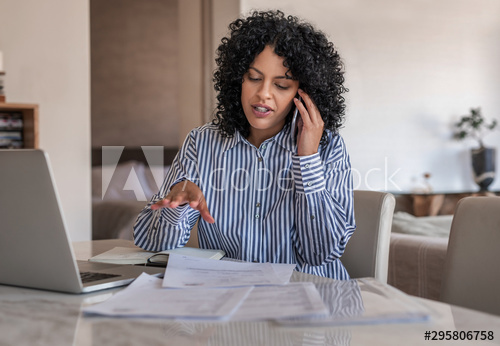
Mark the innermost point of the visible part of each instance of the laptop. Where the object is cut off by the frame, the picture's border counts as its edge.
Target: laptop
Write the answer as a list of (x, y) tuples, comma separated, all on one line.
[(35, 249)]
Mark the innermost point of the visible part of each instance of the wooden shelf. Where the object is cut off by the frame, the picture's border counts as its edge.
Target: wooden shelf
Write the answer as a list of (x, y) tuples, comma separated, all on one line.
[(30, 121)]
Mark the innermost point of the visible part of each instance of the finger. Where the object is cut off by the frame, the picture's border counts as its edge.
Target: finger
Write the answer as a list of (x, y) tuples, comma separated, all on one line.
[(304, 114), (307, 100), (162, 203), (201, 206), (312, 110), (300, 126), (173, 199), (179, 199), (205, 214)]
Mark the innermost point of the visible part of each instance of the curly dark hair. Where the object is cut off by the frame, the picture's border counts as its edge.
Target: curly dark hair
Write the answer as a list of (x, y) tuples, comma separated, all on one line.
[(307, 53)]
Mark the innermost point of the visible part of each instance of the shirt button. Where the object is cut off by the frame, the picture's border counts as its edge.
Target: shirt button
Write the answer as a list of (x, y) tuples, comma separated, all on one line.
[(260, 159), (309, 184), (307, 165), (257, 205), (257, 216), (312, 217), (263, 146)]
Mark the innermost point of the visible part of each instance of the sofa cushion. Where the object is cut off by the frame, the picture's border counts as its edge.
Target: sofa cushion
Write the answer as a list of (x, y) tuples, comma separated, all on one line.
[(433, 226)]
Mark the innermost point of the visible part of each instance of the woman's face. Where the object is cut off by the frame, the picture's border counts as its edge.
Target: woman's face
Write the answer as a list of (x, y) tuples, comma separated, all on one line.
[(267, 95)]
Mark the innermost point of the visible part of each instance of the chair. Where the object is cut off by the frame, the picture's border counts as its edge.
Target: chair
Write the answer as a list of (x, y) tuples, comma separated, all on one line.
[(471, 276), (367, 252)]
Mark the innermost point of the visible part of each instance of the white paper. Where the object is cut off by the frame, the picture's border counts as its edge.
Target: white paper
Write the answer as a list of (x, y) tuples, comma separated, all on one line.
[(283, 271), (186, 271), (146, 298), (297, 299)]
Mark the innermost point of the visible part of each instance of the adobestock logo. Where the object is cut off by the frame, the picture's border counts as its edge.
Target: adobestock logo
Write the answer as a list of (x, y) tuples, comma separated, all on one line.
[(240, 180), (136, 176), (141, 181), (376, 178)]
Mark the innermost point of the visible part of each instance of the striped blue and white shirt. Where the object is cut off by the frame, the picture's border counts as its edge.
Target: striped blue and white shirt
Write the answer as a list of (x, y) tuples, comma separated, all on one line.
[(269, 204)]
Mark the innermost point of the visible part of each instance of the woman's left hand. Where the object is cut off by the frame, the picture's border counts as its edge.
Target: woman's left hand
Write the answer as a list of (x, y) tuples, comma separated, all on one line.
[(310, 126)]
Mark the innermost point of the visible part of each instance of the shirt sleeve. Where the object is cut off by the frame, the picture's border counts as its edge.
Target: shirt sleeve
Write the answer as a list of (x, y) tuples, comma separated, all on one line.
[(168, 228), (323, 203)]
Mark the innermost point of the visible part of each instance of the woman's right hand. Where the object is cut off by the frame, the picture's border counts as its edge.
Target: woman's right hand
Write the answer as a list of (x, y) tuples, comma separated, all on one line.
[(182, 193)]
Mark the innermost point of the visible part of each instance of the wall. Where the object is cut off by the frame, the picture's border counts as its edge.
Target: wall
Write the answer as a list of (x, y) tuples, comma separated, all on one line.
[(146, 88), (46, 58), (190, 86), (134, 85), (412, 67), (221, 12), (202, 24)]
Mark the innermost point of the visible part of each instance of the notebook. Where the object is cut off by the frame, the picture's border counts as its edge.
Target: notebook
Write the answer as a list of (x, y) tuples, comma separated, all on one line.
[(35, 250), (127, 255)]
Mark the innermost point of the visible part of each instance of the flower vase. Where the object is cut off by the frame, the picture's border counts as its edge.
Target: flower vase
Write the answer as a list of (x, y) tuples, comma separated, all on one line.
[(483, 165)]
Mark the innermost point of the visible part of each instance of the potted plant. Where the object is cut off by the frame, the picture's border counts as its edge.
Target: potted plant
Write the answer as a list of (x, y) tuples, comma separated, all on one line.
[(474, 126)]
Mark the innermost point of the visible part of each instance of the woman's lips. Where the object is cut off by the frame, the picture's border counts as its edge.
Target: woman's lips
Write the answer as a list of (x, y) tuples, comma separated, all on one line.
[(261, 111)]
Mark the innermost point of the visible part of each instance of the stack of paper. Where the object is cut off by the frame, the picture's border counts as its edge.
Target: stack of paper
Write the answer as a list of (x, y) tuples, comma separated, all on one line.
[(186, 271), (146, 298), (199, 288)]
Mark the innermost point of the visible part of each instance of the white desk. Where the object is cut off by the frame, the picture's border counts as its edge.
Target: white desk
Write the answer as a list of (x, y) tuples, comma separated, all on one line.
[(32, 317)]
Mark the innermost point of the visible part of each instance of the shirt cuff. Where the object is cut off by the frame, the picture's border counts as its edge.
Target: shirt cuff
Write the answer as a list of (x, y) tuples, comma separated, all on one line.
[(308, 173)]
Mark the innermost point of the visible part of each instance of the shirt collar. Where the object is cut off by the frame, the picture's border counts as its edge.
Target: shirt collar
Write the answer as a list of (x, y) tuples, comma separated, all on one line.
[(285, 139), (230, 142)]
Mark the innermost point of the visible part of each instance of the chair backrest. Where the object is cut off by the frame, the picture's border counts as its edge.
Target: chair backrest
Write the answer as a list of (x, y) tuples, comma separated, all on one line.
[(471, 276), (367, 252)]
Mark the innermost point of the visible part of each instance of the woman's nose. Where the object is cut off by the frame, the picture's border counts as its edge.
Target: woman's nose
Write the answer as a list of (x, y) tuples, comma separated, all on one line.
[(264, 91)]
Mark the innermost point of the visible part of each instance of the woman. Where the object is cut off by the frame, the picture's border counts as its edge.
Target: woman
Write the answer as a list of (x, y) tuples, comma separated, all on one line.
[(268, 188)]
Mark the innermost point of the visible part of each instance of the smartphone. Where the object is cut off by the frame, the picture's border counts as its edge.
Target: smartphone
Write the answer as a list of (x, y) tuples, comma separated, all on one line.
[(294, 120)]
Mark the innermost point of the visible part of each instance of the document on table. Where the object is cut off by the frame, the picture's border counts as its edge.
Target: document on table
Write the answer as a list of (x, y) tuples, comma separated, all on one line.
[(146, 298), (186, 271), (298, 299)]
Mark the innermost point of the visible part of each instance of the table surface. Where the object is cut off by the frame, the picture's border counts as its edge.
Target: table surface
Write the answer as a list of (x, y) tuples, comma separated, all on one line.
[(34, 317)]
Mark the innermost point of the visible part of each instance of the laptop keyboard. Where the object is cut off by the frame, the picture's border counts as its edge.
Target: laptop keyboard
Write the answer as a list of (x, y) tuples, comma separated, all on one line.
[(93, 276)]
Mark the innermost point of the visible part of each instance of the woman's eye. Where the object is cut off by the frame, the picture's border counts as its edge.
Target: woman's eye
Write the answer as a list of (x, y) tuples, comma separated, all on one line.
[(253, 78), (282, 87)]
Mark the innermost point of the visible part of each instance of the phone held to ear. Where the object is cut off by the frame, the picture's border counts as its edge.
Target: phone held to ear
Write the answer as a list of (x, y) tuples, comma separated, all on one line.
[(294, 120)]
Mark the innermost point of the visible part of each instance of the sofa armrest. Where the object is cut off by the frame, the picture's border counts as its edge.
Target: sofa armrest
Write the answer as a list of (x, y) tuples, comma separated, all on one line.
[(416, 264)]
